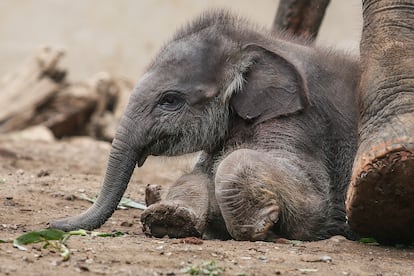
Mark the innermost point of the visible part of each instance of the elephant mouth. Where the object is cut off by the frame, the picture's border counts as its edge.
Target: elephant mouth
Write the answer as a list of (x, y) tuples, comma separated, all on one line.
[(141, 160), (156, 147), (159, 147)]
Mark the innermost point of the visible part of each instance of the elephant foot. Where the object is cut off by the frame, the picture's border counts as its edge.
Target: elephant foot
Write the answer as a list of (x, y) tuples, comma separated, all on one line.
[(170, 219), (244, 218), (380, 199), (248, 207), (257, 225), (152, 194)]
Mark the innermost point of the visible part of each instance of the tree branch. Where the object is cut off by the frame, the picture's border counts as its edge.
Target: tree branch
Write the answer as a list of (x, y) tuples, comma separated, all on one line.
[(301, 18)]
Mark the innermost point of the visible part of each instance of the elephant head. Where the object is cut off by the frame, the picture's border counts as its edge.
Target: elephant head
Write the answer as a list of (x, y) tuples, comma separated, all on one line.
[(208, 73)]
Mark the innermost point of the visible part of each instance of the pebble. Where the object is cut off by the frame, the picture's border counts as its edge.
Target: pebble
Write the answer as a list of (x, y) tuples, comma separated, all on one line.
[(56, 263), (326, 259), (127, 224), (337, 239), (263, 258)]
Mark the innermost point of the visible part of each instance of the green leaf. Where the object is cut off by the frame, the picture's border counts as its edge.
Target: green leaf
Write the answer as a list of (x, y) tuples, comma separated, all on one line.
[(38, 236), (206, 268), (54, 238), (64, 252), (90, 199), (18, 246), (368, 241), (125, 202), (79, 232), (114, 234), (295, 242)]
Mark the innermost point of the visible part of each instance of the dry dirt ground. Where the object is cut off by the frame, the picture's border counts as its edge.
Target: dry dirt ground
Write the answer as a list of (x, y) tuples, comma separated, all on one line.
[(42, 180)]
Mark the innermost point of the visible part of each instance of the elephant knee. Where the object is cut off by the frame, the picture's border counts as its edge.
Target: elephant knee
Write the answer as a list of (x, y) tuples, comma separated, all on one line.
[(247, 205), (236, 172), (236, 164)]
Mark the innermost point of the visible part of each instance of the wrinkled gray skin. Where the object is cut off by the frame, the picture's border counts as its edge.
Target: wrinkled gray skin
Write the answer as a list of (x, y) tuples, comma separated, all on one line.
[(275, 121)]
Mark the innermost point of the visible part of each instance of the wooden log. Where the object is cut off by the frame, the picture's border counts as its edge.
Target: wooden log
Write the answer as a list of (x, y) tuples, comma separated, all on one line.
[(23, 92), (113, 97), (301, 18), (38, 95), (69, 111)]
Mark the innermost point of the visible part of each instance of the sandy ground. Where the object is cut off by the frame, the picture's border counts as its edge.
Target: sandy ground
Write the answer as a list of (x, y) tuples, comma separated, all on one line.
[(43, 180)]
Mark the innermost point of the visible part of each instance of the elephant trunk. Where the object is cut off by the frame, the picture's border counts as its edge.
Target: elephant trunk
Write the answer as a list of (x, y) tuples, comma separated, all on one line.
[(121, 164)]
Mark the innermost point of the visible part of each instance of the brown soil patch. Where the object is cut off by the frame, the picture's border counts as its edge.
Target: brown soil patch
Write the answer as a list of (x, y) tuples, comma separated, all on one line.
[(41, 181)]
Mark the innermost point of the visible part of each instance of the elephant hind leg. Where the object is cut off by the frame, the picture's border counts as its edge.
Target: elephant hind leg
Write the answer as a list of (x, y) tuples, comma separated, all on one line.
[(262, 197)]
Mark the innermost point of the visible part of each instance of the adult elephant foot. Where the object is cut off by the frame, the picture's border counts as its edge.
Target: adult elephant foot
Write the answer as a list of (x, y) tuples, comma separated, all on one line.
[(380, 199)]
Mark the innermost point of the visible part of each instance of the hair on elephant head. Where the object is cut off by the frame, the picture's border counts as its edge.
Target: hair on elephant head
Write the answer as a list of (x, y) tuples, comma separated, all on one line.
[(214, 72)]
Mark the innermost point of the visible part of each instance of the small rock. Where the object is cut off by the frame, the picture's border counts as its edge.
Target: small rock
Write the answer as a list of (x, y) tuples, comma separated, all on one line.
[(9, 202), (314, 259), (326, 259), (305, 270), (127, 224), (191, 240), (337, 239), (262, 258), (82, 268), (43, 173), (56, 263), (70, 197), (282, 241)]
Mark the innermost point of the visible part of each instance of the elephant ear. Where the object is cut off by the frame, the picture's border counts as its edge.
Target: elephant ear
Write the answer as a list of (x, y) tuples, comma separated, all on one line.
[(271, 86)]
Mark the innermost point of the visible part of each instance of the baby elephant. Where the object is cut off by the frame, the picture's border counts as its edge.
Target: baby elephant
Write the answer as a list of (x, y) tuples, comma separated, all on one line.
[(275, 120)]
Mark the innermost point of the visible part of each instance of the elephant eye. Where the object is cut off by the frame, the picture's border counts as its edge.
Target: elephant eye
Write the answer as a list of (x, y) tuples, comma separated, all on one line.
[(171, 101)]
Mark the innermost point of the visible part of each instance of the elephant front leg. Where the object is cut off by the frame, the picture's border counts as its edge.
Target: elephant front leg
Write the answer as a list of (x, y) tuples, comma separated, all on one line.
[(182, 213), (262, 197), (380, 199)]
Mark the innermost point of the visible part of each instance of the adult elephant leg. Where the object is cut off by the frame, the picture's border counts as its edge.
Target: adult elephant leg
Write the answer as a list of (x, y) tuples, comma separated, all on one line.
[(380, 199)]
